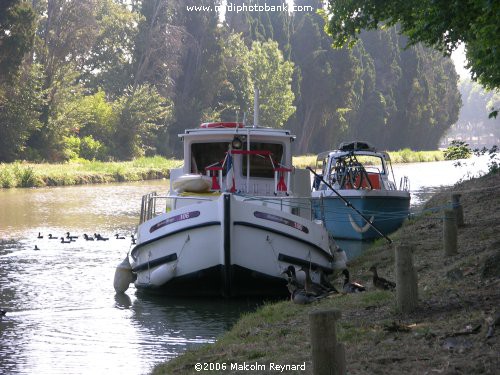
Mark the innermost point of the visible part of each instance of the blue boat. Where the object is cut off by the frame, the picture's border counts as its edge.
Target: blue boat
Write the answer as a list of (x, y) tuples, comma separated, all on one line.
[(364, 177)]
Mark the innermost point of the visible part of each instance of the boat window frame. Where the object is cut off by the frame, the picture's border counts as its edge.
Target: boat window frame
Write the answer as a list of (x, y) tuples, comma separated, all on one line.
[(198, 164), (276, 162)]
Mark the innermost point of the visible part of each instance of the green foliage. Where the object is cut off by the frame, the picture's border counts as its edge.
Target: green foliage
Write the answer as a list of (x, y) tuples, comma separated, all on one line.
[(439, 24), (91, 149), (71, 147), (272, 75), (17, 28), (140, 114), (457, 150), (20, 103), (494, 158), (124, 78)]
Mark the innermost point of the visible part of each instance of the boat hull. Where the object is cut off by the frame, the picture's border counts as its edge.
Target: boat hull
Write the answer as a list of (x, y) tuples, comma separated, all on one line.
[(386, 210), (227, 247)]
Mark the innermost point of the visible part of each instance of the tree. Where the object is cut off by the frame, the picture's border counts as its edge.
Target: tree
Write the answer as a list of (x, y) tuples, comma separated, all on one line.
[(20, 104), (325, 90), (109, 64), (17, 29), (66, 32), (234, 96), (439, 24), (272, 75), (141, 113)]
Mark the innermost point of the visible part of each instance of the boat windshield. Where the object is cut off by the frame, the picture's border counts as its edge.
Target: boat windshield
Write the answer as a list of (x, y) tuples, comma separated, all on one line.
[(260, 165), (205, 155)]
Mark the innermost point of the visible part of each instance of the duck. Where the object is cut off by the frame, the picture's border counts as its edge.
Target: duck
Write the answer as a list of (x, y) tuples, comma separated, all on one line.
[(51, 237), (312, 287), (133, 239), (351, 287), (99, 237), (380, 282), (301, 297), (36, 247), (2, 313), (63, 240), (323, 279), (293, 283), (72, 238), (118, 237), (40, 235), (87, 238)]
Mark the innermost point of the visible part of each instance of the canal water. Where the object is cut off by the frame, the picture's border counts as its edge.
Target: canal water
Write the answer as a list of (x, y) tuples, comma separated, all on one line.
[(63, 316)]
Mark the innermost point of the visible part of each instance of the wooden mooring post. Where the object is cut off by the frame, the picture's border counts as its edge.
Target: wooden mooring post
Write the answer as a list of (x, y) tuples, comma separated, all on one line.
[(406, 279), (328, 356), (457, 207), (450, 233)]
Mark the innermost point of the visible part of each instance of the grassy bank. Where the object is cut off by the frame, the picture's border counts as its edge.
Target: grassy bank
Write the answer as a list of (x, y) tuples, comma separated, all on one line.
[(446, 334), (401, 156), (84, 172), (23, 174)]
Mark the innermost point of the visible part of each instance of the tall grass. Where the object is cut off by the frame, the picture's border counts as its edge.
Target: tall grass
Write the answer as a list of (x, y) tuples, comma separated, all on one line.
[(83, 172)]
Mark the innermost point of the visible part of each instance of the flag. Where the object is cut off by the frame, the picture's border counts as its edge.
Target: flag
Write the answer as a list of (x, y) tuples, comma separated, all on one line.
[(230, 184)]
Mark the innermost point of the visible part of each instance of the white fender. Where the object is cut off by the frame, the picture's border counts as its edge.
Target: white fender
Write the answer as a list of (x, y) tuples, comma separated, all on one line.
[(192, 182), (161, 274), (123, 276), (339, 259)]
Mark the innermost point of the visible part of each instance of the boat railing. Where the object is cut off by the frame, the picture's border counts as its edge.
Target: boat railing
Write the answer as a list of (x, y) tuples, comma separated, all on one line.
[(150, 208), (404, 183)]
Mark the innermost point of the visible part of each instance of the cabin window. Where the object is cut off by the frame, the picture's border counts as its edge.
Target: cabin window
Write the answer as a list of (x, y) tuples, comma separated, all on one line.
[(260, 165), (213, 154), (207, 154)]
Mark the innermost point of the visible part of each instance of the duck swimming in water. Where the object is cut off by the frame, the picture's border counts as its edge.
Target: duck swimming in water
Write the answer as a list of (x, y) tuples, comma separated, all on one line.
[(118, 237), (351, 287), (87, 237), (40, 235), (380, 282), (51, 237), (99, 237), (72, 238)]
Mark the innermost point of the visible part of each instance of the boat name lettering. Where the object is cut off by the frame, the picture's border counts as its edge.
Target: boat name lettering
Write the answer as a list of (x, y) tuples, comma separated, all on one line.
[(174, 219), (281, 220)]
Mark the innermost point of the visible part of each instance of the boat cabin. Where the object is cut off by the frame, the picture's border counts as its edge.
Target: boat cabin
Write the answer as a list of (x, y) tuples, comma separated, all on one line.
[(355, 165), (233, 158)]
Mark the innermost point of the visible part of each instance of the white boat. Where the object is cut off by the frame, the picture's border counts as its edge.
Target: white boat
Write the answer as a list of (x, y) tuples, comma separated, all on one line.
[(236, 217), (356, 195)]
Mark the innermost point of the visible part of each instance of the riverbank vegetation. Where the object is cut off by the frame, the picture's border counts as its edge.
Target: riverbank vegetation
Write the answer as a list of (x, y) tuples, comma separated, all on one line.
[(115, 80), (80, 171), (23, 174), (458, 300)]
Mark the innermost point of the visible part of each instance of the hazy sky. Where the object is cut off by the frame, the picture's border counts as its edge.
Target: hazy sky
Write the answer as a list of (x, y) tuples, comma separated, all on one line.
[(458, 58)]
